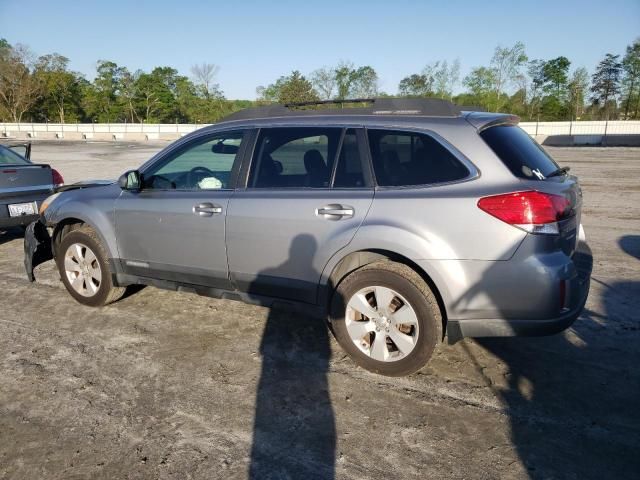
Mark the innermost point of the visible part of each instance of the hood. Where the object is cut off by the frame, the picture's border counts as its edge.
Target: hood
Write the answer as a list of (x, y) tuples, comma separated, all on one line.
[(84, 184)]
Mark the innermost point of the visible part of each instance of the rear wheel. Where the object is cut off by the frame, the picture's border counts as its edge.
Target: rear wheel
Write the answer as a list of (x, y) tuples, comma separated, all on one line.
[(84, 269), (386, 318)]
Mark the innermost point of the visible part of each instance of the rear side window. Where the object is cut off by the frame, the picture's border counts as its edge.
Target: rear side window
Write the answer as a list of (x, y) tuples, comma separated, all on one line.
[(519, 152), (407, 158), (8, 157), (294, 158)]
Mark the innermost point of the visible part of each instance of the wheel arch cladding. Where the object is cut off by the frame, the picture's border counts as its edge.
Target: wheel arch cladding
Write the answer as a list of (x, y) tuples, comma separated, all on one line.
[(355, 260), (68, 224)]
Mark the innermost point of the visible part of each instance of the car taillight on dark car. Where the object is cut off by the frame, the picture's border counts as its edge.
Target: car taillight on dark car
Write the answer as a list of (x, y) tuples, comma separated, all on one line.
[(57, 178), (532, 211)]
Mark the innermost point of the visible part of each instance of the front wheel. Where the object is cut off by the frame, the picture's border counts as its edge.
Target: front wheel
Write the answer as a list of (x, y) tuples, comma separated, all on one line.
[(386, 318), (84, 269)]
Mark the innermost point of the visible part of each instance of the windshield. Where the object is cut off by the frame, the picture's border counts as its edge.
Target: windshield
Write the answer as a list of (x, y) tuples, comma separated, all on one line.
[(9, 157), (519, 152)]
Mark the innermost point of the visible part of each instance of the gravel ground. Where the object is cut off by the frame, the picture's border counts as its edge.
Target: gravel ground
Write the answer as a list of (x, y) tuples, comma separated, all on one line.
[(172, 385)]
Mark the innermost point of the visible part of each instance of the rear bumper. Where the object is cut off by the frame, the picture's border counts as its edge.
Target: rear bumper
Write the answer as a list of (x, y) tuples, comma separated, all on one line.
[(502, 327), (23, 221), (6, 221)]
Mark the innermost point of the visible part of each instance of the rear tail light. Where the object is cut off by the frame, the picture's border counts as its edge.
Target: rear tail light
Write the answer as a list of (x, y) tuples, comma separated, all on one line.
[(57, 178), (534, 212)]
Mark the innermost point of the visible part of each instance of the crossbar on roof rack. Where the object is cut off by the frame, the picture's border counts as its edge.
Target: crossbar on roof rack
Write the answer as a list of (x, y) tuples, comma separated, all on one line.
[(432, 107), (330, 102)]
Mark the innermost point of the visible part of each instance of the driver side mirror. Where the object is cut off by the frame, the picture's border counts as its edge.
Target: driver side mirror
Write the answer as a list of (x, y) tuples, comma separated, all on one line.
[(130, 181)]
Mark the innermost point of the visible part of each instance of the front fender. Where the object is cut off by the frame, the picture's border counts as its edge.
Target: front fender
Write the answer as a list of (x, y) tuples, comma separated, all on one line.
[(92, 206)]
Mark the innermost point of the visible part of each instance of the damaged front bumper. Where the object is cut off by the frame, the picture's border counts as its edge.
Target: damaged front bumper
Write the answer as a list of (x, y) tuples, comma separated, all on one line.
[(37, 247)]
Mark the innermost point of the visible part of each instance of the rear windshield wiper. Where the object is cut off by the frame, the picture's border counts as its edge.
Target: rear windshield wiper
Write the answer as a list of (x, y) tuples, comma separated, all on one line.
[(559, 171)]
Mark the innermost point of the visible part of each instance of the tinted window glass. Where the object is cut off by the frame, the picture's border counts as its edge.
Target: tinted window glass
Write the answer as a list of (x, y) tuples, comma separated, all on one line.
[(349, 169), (204, 165), (406, 158), (9, 157), (294, 158), (519, 152)]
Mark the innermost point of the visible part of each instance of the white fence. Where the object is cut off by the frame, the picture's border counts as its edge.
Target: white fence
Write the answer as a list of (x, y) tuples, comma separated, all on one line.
[(582, 133), (97, 131), (579, 132)]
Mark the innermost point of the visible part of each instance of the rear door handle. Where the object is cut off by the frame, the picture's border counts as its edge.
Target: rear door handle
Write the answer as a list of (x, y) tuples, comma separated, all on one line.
[(207, 209), (335, 211)]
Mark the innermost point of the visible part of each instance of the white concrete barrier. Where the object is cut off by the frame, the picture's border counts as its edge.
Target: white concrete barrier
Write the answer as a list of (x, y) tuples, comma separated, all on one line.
[(561, 133)]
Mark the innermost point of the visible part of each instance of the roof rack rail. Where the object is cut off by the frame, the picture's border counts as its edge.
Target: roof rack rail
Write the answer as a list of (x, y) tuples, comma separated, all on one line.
[(431, 107)]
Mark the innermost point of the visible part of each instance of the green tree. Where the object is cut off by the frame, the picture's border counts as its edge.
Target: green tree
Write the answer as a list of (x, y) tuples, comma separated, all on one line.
[(506, 64), (445, 78), (535, 71), (365, 83), (578, 86), (324, 81), (345, 77), (19, 88), (128, 92), (605, 82), (351, 82), (294, 88), (204, 76), (437, 79), (553, 108), (631, 81), (551, 79), (481, 84), (156, 94), (100, 98), (61, 89), (556, 74), (415, 85)]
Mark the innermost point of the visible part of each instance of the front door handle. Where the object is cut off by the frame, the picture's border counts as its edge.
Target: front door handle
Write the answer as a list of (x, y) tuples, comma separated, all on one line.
[(335, 211), (207, 209)]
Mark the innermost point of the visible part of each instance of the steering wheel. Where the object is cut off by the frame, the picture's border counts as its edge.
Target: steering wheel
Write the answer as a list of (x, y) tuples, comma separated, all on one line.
[(195, 170)]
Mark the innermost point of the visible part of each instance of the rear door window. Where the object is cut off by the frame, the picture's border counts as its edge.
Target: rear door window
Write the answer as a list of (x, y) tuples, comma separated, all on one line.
[(519, 152), (349, 172), (294, 158), (408, 158)]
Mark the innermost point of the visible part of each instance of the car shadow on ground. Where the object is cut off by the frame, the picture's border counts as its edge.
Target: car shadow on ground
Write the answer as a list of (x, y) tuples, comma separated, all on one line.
[(294, 433), (572, 399), (10, 234)]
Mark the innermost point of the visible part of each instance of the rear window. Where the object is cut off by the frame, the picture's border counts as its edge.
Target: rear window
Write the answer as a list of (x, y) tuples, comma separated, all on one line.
[(407, 158), (519, 152), (9, 157)]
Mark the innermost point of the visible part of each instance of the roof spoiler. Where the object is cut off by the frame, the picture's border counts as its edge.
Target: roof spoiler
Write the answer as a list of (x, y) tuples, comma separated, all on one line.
[(482, 120), (432, 107)]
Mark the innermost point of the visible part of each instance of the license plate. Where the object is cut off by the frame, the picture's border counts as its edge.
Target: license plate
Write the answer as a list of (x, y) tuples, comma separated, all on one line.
[(20, 209)]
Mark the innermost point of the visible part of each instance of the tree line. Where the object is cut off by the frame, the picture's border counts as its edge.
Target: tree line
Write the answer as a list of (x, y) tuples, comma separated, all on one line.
[(40, 89)]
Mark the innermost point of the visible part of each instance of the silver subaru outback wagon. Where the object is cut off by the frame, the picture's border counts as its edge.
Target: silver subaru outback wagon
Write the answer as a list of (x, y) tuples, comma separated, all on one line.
[(404, 222)]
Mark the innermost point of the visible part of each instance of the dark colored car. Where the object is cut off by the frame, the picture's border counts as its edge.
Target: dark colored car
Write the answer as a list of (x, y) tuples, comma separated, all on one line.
[(23, 185)]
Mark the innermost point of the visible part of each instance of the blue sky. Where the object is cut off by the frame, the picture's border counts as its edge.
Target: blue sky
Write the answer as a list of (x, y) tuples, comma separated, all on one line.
[(254, 42)]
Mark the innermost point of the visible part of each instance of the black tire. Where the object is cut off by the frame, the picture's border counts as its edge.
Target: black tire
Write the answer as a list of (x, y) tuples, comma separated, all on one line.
[(407, 283), (106, 292)]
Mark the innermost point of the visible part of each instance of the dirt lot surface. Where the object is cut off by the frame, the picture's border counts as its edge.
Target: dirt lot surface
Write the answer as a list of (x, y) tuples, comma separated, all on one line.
[(172, 385)]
